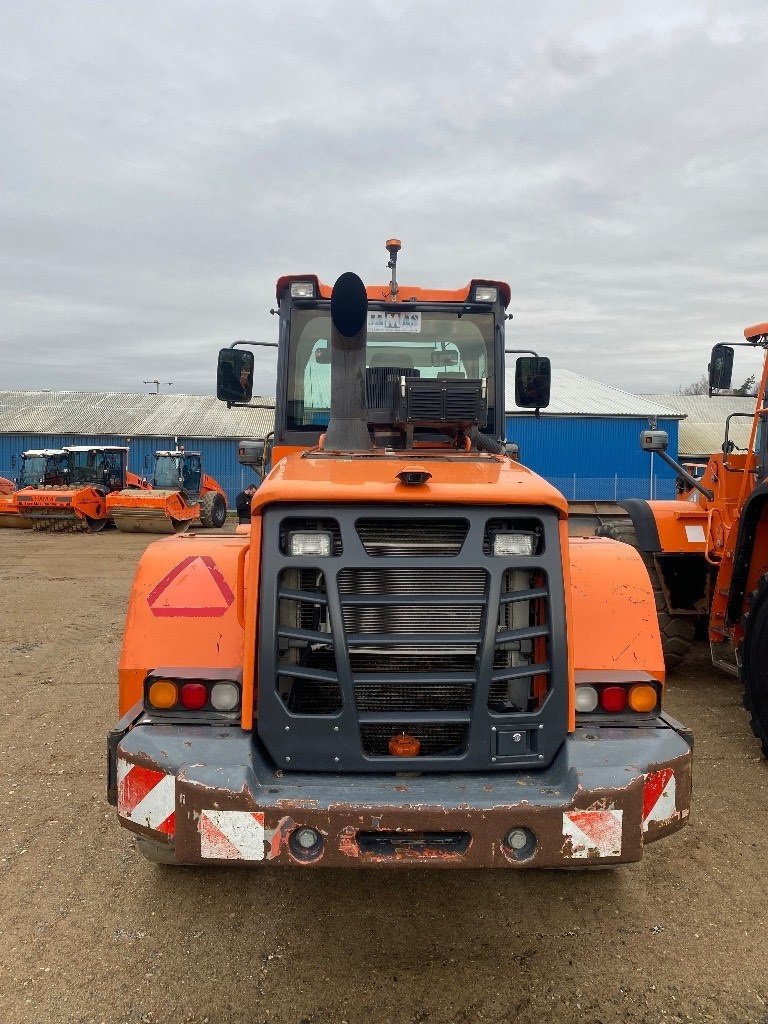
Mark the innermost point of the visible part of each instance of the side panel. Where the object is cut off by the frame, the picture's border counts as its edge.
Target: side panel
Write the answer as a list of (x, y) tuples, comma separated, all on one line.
[(669, 527), (615, 625), (183, 609)]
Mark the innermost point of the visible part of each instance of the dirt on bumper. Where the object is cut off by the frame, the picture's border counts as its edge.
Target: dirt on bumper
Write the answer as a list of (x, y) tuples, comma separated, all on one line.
[(213, 797)]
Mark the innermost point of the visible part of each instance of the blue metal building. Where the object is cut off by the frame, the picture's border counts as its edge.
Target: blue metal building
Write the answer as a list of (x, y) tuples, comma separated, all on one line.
[(145, 423), (587, 441)]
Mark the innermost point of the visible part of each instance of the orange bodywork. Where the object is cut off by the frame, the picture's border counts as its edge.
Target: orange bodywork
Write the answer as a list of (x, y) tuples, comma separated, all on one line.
[(194, 602), (84, 502), (9, 510), (405, 292)]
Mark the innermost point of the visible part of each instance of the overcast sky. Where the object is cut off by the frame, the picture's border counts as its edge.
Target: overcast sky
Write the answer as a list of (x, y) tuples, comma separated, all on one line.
[(161, 164)]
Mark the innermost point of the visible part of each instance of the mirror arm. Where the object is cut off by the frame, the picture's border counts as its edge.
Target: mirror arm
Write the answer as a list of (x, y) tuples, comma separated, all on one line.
[(682, 472), (520, 352)]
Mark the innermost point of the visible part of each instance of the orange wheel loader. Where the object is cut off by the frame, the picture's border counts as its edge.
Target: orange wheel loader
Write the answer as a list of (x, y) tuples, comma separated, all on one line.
[(78, 502), (405, 661), (708, 551), (181, 496)]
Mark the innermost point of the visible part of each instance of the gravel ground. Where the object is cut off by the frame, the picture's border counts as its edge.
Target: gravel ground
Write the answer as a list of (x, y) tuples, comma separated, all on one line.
[(91, 932)]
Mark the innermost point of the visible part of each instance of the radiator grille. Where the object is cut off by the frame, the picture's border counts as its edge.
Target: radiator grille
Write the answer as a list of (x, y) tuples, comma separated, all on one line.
[(408, 539), (414, 627), (470, 582)]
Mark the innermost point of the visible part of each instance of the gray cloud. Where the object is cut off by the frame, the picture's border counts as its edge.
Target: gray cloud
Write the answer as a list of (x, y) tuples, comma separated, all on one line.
[(162, 165)]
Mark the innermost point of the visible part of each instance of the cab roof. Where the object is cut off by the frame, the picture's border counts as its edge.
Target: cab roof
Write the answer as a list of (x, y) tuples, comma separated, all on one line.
[(43, 452), (405, 293), (95, 448)]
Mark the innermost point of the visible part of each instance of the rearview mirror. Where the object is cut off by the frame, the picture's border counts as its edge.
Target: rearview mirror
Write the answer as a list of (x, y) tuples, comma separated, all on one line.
[(654, 441), (251, 453), (323, 355), (720, 368), (234, 376), (533, 379)]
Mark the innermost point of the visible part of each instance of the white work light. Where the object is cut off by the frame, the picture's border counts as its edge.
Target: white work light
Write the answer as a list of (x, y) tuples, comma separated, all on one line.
[(486, 294), (225, 696), (506, 544), (302, 290), (586, 699), (316, 544)]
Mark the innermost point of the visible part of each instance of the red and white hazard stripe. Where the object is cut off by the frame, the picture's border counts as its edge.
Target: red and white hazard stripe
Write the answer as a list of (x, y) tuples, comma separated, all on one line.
[(659, 805), (231, 835), (592, 833), (146, 797)]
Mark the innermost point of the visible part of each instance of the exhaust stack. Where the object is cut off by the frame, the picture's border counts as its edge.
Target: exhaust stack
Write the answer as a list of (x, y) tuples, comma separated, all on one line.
[(348, 424)]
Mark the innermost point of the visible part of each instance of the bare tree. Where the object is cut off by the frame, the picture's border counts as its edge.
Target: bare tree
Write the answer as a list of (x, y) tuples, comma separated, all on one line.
[(696, 387)]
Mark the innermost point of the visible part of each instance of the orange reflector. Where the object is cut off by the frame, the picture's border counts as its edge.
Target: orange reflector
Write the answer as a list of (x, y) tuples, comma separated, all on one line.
[(163, 693), (643, 697), (404, 746)]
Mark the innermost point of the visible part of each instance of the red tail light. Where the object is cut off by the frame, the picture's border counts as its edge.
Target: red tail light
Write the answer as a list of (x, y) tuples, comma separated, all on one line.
[(612, 699), (193, 696)]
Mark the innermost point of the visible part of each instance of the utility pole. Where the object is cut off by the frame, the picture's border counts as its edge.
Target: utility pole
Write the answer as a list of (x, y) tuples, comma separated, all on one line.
[(159, 383)]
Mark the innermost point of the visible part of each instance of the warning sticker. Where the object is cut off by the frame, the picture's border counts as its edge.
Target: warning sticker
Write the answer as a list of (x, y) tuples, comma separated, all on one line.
[(382, 322), (195, 588)]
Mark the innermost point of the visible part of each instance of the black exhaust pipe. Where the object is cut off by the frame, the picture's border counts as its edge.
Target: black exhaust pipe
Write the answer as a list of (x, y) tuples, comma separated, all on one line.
[(348, 424)]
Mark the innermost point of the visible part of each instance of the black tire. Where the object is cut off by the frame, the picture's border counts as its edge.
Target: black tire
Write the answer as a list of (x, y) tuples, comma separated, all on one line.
[(677, 631), (213, 511), (754, 662)]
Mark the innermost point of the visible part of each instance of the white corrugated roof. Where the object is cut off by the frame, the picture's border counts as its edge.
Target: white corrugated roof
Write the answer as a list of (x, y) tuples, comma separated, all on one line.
[(130, 415), (574, 395), (702, 432)]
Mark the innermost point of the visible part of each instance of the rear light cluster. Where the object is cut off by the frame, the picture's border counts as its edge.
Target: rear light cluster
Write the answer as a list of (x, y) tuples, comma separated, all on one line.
[(613, 699), (192, 695)]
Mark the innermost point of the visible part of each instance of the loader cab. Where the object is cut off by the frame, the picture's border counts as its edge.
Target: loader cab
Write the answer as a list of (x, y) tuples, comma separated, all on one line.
[(429, 349), (45, 467), (103, 468), (179, 471)]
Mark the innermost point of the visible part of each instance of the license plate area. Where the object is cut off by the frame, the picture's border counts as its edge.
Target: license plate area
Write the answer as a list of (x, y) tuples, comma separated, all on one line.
[(412, 845)]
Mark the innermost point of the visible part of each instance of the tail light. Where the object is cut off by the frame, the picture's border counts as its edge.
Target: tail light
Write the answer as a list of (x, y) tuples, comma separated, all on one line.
[(616, 698), (191, 695), (613, 699)]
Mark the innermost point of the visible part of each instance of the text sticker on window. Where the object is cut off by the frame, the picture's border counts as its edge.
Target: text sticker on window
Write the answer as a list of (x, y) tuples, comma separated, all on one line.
[(381, 322)]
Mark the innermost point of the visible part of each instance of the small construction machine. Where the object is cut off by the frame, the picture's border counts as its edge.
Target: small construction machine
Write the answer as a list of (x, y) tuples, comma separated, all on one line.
[(181, 496), (45, 467), (78, 502), (405, 660), (707, 551)]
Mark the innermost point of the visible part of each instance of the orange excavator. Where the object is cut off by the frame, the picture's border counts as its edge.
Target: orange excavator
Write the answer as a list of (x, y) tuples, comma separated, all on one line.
[(78, 502), (181, 496), (405, 660), (39, 467)]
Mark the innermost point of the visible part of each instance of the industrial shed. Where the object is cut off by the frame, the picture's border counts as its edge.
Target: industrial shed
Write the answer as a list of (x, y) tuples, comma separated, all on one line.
[(144, 422), (587, 441), (702, 432)]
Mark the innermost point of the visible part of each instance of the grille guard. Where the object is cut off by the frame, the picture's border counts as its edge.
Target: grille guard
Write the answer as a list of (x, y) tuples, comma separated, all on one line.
[(333, 742)]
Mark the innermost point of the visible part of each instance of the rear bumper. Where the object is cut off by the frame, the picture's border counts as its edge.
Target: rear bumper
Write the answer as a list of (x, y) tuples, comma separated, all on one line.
[(213, 796)]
